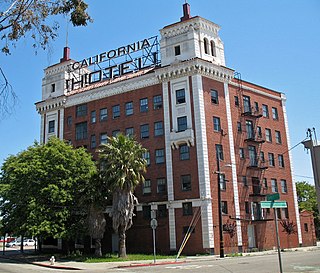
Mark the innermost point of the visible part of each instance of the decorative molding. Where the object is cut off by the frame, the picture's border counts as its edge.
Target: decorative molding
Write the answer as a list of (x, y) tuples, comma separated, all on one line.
[(294, 190), (51, 104), (193, 67), (233, 164), (195, 23), (254, 90), (96, 93)]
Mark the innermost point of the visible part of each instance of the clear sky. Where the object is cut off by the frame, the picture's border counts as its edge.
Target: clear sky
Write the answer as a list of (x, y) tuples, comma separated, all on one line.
[(272, 43)]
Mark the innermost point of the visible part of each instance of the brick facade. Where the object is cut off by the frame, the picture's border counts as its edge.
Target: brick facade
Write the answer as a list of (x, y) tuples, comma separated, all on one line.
[(203, 104)]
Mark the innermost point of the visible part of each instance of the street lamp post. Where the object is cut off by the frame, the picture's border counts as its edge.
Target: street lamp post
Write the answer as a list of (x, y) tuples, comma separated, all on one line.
[(219, 207)]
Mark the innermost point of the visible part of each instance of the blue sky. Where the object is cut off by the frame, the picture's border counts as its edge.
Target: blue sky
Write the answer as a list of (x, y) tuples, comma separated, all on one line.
[(272, 43)]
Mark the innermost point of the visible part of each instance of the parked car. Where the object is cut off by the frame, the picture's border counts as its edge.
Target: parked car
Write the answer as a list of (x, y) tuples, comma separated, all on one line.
[(16, 242), (8, 239), (29, 242)]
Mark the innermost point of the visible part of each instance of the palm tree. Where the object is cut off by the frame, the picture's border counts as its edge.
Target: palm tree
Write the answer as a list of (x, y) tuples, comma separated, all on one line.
[(122, 164)]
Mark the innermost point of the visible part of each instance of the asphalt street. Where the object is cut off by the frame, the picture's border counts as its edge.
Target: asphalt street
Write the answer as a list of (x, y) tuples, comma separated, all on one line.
[(295, 261)]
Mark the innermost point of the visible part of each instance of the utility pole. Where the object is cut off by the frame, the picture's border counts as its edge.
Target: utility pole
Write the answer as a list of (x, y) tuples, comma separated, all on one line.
[(314, 147)]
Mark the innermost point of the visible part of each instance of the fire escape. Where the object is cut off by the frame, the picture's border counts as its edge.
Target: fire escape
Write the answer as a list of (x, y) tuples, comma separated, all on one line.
[(252, 139)]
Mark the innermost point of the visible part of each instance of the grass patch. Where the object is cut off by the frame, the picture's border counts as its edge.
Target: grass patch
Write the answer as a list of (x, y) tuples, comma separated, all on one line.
[(130, 257)]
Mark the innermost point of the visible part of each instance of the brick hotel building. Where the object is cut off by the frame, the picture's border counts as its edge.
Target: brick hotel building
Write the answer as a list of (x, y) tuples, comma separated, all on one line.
[(204, 128)]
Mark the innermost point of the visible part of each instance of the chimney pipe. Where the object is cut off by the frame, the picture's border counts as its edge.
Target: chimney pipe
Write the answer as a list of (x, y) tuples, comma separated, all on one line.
[(66, 54), (186, 12)]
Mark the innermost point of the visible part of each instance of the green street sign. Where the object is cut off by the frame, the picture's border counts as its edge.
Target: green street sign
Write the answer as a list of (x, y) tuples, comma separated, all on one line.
[(273, 205), (273, 197)]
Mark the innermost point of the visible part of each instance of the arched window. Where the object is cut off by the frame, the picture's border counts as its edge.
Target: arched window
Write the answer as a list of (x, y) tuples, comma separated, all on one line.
[(206, 45), (213, 48)]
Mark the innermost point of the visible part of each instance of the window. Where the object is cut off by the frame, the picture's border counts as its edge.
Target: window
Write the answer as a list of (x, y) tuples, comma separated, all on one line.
[(146, 187), (224, 207), (206, 45), (246, 104), (129, 132), (144, 131), (241, 153), (249, 128), (281, 161), (214, 97), (262, 159), (184, 152), (81, 110), (247, 207), (146, 156), (53, 87), (129, 108), (268, 135), (81, 131), (157, 102), (182, 123), (93, 142), (180, 96), (222, 180), (187, 229), (244, 181), (93, 116), (306, 229), (115, 133), (256, 106), (51, 126), (278, 137), (213, 48), (146, 212), (103, 138), (187, 208), (177, 50), (103, 114), (239, 127), (162, 211), (284, 188), (161, 186), (236, 101), (186, 182), (219, 151), (274, 185), (159, 156), (216, 124), (265, 111), (115, 111), (265, 182), (275, 113), (158, 128), (144, 105), (271, 159), (259, 132), (69, 120), (283, 213)]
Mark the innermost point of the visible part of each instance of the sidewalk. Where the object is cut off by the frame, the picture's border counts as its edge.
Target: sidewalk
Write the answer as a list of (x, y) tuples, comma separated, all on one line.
[(71, 265)]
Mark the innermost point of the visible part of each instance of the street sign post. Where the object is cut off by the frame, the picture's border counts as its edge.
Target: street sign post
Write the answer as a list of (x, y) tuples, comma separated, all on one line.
[(272, 204), (273, 197), (154, 224)]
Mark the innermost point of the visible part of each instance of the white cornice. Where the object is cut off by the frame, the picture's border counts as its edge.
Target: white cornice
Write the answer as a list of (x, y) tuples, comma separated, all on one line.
[(51, 104), (112, 89), (184, 27), (258, 91), (192, 67)]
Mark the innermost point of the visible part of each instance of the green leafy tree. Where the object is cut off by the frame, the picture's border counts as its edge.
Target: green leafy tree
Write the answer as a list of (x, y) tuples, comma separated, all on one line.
[(122, 167), (41, 189), (307, 200), (19, 18)]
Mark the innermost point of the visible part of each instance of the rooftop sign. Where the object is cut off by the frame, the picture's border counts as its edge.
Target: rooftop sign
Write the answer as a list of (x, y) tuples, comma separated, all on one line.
[(113, 63)]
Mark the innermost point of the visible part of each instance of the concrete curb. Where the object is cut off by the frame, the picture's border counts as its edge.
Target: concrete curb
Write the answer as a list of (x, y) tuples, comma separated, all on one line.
[(150, 264), (56, 266)]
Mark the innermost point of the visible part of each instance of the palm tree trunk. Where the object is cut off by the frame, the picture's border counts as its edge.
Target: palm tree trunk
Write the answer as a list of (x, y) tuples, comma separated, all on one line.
[(122, 242), (98, 252)]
